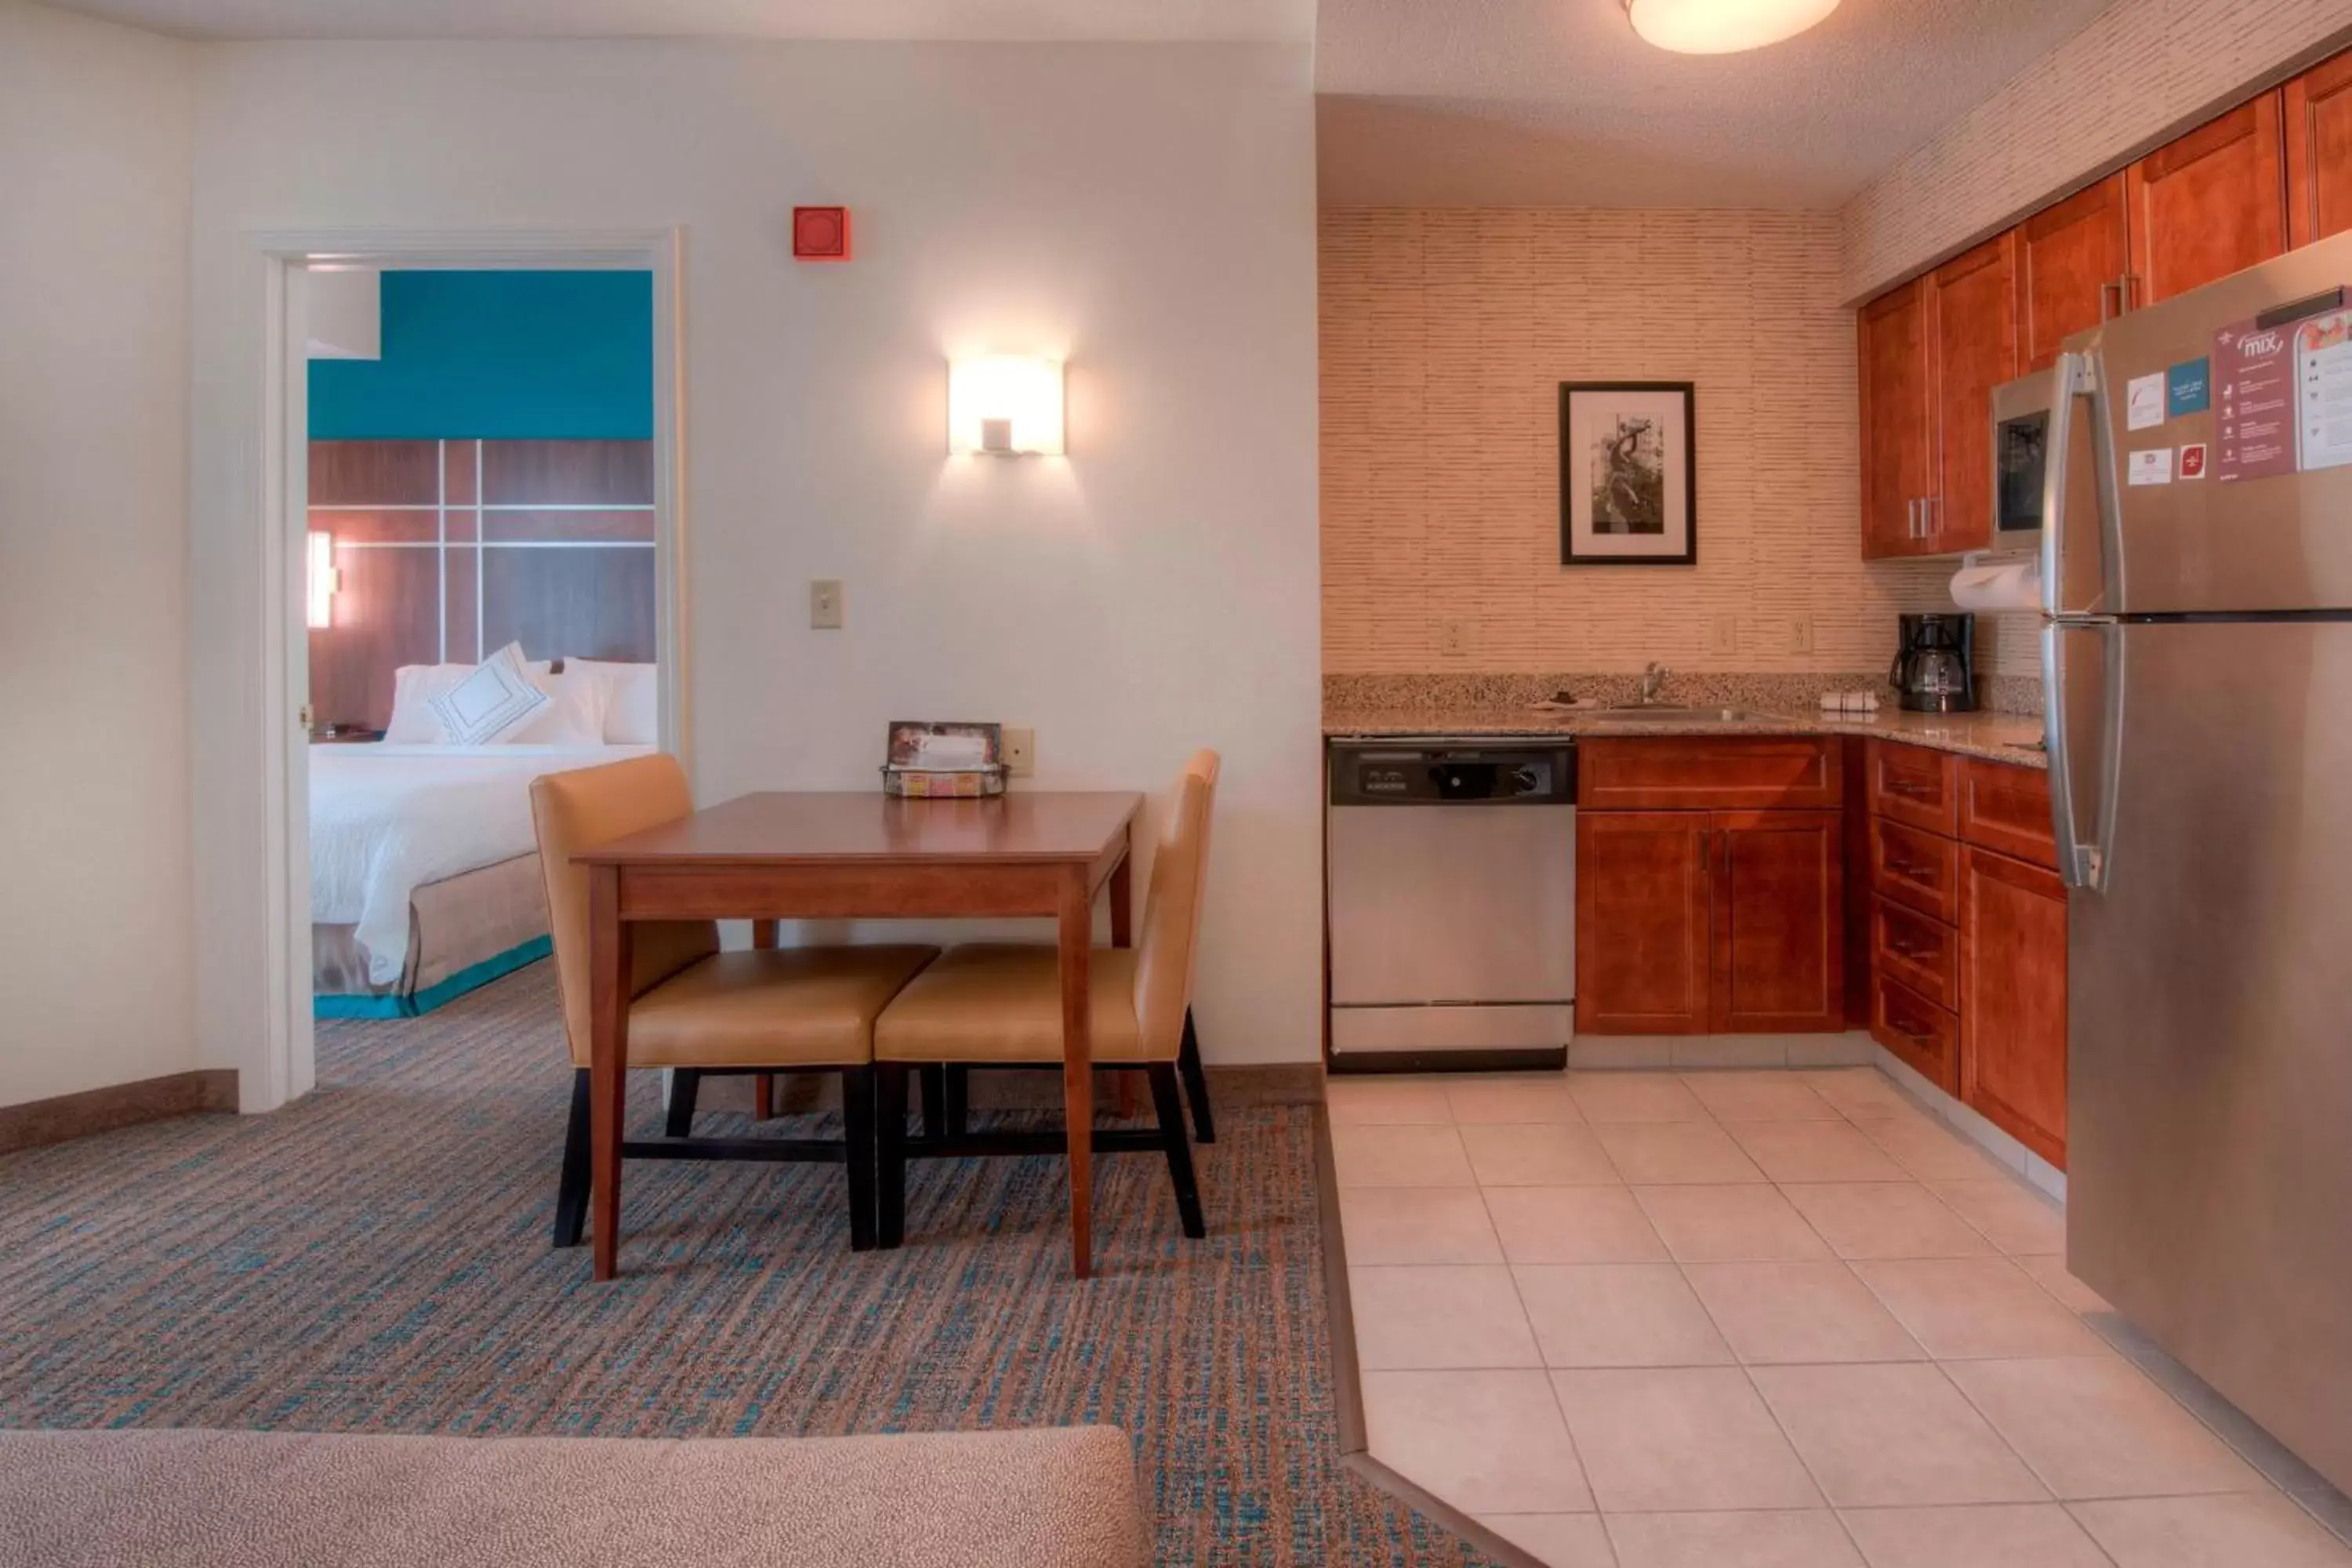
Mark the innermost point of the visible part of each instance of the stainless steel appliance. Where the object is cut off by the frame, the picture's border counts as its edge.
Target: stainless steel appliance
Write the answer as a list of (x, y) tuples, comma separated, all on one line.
[(1451, 869), (2196, 649), (2021, 447), (1935, 664)]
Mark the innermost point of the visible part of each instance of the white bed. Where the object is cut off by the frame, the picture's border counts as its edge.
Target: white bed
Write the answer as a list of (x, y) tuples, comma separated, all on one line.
[(389, 819)]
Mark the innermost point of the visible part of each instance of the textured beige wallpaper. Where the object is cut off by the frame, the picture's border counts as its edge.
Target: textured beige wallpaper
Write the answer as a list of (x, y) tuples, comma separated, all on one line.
[(1445, 335), (2139, 69)]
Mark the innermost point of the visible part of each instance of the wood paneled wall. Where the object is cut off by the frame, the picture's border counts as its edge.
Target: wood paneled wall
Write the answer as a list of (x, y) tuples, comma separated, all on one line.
[(449, 549)]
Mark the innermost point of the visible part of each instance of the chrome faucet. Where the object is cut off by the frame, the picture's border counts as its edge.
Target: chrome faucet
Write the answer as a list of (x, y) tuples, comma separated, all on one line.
[(1654, 680)]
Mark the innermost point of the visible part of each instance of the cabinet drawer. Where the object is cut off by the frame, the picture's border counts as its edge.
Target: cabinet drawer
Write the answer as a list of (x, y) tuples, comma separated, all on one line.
[(1921, 952), (2006, 807), (1703, 773), (1915, 869), (1923, 1036), (1914, 787)]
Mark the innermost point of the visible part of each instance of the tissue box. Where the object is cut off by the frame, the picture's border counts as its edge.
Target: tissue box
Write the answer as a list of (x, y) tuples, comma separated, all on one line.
[(931, 759)]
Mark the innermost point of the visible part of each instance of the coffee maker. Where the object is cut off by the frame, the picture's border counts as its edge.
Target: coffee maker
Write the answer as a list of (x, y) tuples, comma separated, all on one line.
[(1935, 668)]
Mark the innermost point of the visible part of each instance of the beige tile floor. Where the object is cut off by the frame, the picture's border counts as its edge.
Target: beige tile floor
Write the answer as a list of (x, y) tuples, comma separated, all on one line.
[(1777, 1318)]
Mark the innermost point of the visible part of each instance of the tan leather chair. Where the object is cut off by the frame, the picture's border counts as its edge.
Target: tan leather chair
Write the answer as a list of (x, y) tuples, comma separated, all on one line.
[(699, 1010), (1000, 1004)]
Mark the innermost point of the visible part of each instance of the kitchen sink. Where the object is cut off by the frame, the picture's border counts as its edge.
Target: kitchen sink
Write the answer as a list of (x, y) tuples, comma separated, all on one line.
[(1666, 713)]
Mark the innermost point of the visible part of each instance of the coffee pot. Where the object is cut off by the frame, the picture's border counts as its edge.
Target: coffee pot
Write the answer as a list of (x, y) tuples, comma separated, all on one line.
[(1935, 668)]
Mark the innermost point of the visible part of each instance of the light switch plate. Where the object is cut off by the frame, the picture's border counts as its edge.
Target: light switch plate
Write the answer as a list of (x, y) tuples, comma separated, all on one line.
[(1020, 748), (825, 605), (1724, 636)]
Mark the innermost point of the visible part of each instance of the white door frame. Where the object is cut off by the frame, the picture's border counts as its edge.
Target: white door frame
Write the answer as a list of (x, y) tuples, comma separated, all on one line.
[(288, 1064)]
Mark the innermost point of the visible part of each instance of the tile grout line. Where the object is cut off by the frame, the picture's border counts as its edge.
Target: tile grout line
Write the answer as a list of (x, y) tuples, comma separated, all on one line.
[(2265, 1484)]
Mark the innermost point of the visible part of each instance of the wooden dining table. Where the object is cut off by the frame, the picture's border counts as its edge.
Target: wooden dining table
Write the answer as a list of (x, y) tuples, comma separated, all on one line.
[(793, 855)]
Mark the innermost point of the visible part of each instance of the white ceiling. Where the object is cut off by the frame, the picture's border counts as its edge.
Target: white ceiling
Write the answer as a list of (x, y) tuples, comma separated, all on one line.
[(1557, 102), (943, 20)]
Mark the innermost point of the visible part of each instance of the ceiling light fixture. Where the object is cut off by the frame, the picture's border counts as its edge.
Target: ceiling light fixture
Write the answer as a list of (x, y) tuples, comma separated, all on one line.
[(1723, 27)]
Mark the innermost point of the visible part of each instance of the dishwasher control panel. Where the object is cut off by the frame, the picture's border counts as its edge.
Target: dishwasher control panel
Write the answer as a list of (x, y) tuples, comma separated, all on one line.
[(1421, 774)]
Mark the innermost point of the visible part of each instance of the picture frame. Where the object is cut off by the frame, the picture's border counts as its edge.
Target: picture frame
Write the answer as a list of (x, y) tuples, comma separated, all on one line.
[(1628, 473)]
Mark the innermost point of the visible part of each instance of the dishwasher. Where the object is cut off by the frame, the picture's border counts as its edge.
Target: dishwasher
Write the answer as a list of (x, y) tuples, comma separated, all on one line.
[(1451, 870)]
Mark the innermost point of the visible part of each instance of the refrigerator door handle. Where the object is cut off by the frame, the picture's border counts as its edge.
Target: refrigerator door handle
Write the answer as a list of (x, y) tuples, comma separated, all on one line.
[(2082, 860), (2066, 384)]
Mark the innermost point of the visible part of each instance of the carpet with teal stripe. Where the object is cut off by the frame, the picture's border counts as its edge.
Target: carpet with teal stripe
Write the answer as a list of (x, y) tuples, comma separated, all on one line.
[(375, 1258)]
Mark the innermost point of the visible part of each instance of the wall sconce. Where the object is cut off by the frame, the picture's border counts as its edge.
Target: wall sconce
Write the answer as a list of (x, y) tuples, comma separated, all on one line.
[(1006, 407), (323, 582)]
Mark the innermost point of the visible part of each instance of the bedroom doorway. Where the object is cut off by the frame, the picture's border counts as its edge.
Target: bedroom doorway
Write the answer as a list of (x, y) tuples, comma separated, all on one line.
[(432, 548)]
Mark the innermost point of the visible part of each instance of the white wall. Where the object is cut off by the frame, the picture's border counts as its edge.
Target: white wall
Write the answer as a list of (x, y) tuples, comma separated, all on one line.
[(1147, 212), (94, 863)]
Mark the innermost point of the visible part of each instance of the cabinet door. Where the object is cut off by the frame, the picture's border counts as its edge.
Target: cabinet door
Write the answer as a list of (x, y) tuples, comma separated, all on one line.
[(1972, 348), (2319, 152), (1641, 922), (1895, 423), (2209, 204), (1779, 934), (2013, 999), (2071, 261)]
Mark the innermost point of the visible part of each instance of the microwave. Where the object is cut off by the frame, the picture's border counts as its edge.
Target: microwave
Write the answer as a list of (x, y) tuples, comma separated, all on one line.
[(2020, 449)]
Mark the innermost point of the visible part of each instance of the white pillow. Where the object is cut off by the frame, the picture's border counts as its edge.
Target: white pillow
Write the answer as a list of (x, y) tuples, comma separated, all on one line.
[(413, 720), (413, 686), (496, 697), (574, 714), (631, 700)]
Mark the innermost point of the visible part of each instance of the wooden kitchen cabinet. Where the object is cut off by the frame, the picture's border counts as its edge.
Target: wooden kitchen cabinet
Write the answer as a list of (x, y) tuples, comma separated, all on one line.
[(2318, 111), (1971, 349), (2013, 1001), (1967, 946), (1898, 416), (2007, 808), (1914, 787), (1643, 913), (1702, 772), (1778, 927), (2209, 203), (2071, 262), (1693, 921)]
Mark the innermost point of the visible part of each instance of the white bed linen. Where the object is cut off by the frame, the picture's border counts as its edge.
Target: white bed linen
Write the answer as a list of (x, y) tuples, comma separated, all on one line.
[(387, 819)]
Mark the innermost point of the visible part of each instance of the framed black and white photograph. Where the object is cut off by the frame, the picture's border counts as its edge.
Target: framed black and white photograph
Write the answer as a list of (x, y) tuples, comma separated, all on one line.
[(1626, 467)]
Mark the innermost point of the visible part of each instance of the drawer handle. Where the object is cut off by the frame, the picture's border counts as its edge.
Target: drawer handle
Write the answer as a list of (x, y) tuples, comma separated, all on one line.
[(1910, 872), (1910, 792)]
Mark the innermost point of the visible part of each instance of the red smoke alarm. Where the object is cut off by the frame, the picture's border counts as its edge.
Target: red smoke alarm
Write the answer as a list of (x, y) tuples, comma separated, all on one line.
[(820, 234)]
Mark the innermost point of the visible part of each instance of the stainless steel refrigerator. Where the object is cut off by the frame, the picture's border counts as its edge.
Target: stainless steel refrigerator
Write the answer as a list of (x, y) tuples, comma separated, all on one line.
[(2196, 538)]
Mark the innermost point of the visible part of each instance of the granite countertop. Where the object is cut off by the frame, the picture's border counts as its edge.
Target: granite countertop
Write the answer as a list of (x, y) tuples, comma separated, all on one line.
[(2001, 737)]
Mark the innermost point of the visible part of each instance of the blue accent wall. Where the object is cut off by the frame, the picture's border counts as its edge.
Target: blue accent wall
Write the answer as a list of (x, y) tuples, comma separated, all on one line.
[(499, 356)]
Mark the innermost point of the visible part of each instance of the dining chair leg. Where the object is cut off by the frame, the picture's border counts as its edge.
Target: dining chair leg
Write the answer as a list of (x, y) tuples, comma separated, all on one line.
[(572, 1186), (958, 1101), (1170, 1108), (891, 1152), (685, 1085), (857, 1129), (1196, 1082), (935, 1100)]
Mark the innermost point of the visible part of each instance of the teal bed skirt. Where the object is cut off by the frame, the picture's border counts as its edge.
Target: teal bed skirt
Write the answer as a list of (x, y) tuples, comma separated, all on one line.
[(472, 977)]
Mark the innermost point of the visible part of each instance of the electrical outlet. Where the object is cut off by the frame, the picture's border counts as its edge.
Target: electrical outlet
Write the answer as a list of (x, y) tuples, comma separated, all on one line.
[(1722, 636), (825, 605), (1020, 748), (1801, 634), (1453, 638)]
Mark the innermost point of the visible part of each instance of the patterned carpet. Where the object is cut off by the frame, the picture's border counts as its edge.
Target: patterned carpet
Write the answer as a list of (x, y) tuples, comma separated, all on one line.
[(375, 1258)]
